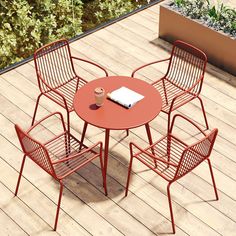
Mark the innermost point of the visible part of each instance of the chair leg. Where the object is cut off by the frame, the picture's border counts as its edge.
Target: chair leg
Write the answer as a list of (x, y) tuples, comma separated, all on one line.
[(127, 132), (83, 135), (68, 121), (168, 140), (128, 177), (170, 206), (168, 122), (103, 173), (36, 108), (20, 174), (204, 113), (168, 148), (150, 142), (58, 205), (106, 147), (68, 130), (213, 179)]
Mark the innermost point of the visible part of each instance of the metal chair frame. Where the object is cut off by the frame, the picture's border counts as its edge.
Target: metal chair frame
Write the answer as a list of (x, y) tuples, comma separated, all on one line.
[(183, 80), (172, 158), (55, 157), (57, 78)]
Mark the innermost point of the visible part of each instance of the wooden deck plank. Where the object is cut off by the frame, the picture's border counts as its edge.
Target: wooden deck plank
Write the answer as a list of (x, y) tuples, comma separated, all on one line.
[(121, 47), (220, 116), (229, 114), (152, 177), (5, 103), (28, 220), (228, 111), (156, 201), (15, 91), (70, 204), (10, 226), (41, 181), (103, 209), (20, 83)]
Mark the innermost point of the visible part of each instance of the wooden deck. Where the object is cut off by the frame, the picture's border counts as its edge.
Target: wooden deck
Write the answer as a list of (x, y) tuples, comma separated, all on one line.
[(85, 210)]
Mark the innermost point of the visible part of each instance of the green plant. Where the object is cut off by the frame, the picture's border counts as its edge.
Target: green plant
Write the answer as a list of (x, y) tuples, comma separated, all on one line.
[(220, 17), (180, 3), (29, 24), (110, 9), (105, 10)]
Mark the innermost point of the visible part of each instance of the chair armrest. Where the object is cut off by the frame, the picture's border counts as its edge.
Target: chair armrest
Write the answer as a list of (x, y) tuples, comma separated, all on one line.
[(187, 119), (151, 63), (45, 118), (40, 79), (185, 92), (176, 98), (80, 153), (149, 154), (92, 63), (52, 90), (191, 88)]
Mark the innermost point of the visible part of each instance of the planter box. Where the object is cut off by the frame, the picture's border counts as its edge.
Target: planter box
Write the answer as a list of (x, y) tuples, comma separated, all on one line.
[(219, 47)]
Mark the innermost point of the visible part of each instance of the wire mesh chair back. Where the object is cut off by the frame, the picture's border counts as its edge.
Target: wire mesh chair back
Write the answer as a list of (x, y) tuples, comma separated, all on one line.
[(54, 65), (194, 154), (35, 150), (187, 66)]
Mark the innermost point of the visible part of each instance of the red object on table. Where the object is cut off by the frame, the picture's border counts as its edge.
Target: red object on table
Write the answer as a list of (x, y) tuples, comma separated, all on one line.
[(112, 116)]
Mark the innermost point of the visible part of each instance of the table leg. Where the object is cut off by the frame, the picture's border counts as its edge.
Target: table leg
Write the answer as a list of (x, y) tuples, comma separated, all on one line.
[(107, 136), (83, 135), (150, 140), (148, 133)]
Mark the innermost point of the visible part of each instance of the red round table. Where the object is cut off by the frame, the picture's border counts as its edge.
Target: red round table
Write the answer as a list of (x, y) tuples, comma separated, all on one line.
[(112, 116)]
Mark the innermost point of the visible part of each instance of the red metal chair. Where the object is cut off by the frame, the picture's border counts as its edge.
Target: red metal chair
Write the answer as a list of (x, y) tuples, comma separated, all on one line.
[(183, 80), (56, 75), (172, 158), (55, 157)]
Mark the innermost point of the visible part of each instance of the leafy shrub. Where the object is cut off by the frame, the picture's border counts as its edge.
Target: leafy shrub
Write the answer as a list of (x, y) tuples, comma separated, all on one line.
[(111, 9), (29, 24), (219, 17), (105, 10)]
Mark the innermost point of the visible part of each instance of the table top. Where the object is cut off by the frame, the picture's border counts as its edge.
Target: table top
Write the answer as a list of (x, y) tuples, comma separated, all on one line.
[(112, 115)]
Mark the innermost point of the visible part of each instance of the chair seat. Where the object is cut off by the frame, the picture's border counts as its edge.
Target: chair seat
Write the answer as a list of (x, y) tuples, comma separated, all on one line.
[(169, 92), (160, 149), (66, 146), (68, 90)]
